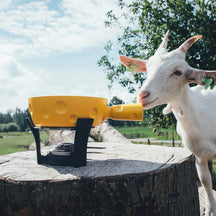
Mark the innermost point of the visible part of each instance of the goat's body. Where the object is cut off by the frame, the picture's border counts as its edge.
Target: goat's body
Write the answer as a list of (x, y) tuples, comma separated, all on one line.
[(196, 124), (196, 120), (168, 76)]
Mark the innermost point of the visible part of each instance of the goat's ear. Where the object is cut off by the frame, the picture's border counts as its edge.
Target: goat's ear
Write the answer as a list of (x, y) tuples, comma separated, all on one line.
[(135, 65), (189, 42), (196, 76)]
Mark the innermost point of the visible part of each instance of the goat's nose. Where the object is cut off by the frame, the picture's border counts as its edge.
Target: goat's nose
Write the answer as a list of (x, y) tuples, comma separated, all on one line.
[(144, 94)]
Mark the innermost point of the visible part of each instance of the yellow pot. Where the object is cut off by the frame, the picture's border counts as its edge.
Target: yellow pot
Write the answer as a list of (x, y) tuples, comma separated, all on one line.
[(63, 111)]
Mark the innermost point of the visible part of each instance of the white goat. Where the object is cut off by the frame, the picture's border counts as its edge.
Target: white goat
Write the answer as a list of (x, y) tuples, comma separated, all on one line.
[(168, 76)]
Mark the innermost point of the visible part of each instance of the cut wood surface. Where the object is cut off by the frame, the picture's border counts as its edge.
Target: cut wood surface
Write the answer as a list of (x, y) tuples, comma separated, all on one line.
[(103, 159), (119, 180)]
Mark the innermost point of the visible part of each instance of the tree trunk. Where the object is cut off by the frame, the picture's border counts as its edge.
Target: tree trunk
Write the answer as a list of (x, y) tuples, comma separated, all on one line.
[(106, 133), (103, 133), (119, 180)]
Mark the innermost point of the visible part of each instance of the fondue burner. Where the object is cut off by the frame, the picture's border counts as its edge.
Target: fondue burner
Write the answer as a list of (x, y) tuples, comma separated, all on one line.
[(65, 154), (77, 113)]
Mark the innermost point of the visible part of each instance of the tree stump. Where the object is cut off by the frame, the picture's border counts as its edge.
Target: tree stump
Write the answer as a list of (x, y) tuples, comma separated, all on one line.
[(119, 180)]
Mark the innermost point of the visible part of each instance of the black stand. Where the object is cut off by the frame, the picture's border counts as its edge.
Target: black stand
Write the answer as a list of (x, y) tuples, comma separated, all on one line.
[(78, 155)]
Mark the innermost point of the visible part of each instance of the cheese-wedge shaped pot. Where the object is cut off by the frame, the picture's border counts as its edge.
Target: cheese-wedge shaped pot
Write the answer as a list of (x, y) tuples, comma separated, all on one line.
[(63, 111)]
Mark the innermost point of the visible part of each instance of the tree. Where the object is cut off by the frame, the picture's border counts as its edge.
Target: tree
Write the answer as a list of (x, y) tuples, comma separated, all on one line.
[(148, 21), (19, 118), (6, 118), (115, 101), (13, 127), (13, 120)]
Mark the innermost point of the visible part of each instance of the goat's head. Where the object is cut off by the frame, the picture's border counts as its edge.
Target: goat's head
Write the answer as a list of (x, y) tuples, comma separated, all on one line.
[(167, 73)]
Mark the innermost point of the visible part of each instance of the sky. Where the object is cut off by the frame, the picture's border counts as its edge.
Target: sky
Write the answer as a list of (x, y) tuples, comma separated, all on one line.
[(51, 47)]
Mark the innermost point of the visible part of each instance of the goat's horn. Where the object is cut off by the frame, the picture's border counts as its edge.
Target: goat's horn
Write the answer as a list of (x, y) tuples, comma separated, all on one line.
[(165, 40), (189, 42)]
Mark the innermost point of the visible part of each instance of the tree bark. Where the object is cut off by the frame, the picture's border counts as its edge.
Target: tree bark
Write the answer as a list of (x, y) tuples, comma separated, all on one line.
[(106, 133), (119, 180), (103, 133)]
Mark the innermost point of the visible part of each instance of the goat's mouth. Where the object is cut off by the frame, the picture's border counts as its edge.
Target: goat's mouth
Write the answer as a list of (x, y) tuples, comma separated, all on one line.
[(145, 105)]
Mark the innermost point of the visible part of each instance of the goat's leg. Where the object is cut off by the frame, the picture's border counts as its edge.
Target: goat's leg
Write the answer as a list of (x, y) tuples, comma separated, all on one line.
[(206, 180)]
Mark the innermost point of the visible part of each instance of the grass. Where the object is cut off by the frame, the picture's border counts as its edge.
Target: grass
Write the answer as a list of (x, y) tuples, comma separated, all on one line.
[(147, 132), (11, 142)]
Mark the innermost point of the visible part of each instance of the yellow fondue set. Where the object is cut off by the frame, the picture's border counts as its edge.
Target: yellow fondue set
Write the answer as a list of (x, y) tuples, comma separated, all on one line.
[(80, 113)]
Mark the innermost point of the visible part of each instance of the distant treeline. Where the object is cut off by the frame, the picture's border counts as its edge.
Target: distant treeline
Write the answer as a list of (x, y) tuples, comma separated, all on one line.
[(13, 120)]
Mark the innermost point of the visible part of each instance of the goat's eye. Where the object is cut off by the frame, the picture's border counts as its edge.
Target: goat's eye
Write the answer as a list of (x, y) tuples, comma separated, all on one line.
[(178, 73)]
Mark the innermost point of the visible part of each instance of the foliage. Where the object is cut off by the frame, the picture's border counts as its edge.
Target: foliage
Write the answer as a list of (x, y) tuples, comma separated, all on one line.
[(9, 127), (115, 101), (19, 117), (6, 118), (155, 117), (13, 127), (13, 120), (147, 21), (208, 83), (3, 128)]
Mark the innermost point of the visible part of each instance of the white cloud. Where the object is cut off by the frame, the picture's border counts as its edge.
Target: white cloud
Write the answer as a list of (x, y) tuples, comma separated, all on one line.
[(5, 4), (17, 83), (101, 91), (37, 29), (86, 90)]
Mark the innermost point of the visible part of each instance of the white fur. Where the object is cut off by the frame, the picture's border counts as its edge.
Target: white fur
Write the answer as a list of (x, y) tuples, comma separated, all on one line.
[(194, 108), (197, 127)]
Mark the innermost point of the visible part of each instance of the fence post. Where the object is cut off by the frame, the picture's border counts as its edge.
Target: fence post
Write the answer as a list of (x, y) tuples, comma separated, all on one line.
[(173, 142)]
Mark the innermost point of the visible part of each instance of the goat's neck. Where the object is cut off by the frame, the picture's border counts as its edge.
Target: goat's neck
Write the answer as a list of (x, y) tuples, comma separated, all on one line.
[(184, 107)]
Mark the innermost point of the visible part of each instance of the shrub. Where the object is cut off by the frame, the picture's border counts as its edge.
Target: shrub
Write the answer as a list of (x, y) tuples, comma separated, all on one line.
[(3, 128), (13, 127), (9, 127)]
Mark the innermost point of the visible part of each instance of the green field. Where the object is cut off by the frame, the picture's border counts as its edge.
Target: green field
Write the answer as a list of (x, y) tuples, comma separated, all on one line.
[(147, 132), (11, 142), (19, 141)]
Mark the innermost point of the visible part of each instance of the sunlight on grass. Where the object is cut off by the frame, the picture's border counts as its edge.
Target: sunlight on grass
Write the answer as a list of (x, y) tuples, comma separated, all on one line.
[(147, 132), (17, 141)]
